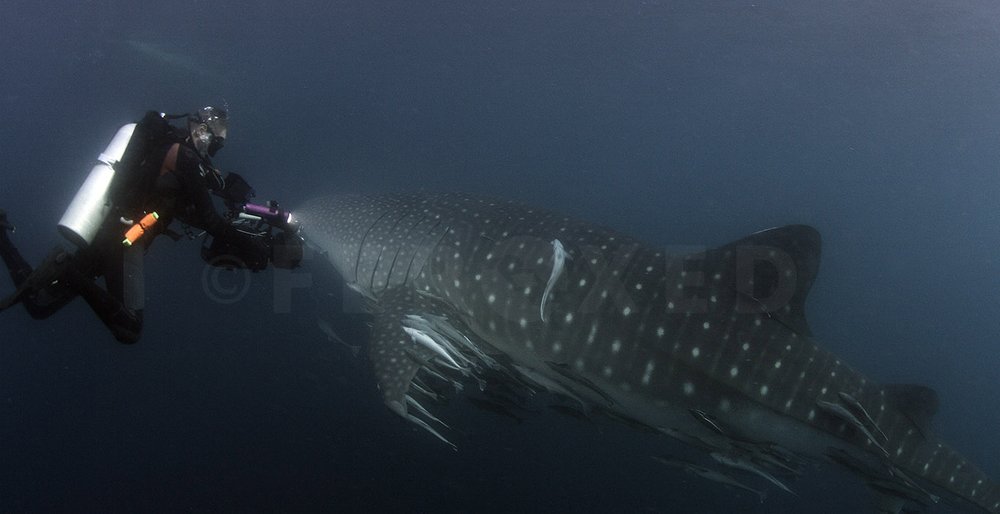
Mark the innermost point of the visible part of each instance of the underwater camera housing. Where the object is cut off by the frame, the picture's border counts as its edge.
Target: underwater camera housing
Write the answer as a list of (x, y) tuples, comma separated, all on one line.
[(255, 221)]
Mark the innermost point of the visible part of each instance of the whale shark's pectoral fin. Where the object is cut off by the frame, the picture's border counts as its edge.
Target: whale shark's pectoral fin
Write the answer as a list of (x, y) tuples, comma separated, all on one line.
[(417, 337)]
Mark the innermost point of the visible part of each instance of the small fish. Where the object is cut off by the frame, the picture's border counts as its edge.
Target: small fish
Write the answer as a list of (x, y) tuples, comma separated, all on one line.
[(511, 402), (363, 292), (447, 330), (694, 441), (910, 483), (423, 424), (548, 384), (672, 462), (722, 478), (707, 420), (423, 339), (904, 492), (431, 330), (425, 412), (710, 474), (630, 422), (767, 456), (494, 407), (417, 385), (841, 412), (571, 412), (564, 370), (432, 371), (860, 411), (327, 329), (853, 464), (740, 463), (559, 257)]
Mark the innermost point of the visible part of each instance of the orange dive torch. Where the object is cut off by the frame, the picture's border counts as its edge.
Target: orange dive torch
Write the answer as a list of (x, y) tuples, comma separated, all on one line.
[(140, 228)]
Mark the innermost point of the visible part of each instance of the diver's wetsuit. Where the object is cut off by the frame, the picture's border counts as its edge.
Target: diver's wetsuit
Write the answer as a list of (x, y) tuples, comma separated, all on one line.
[(62, 276), (182, 191)]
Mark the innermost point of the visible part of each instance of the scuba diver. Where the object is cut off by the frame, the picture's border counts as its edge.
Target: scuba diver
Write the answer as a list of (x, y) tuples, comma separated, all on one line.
[(150, 174)]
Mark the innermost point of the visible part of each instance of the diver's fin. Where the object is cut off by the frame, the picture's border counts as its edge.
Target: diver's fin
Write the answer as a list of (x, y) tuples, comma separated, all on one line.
[(4, 224), (46, 274), (13, 299)]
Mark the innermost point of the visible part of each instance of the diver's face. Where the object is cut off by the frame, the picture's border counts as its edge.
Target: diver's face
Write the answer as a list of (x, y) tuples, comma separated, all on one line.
[(201, 138)]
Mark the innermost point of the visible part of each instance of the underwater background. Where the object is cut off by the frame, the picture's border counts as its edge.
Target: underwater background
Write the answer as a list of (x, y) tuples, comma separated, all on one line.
[(681, 123)]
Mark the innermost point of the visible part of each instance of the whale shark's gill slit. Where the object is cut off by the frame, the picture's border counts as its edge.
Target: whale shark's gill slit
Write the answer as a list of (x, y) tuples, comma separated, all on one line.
[(416, 249), (419, 221), (371, 285), (409, 267), (361, 246), (444, 233), (438, 242), (388, 275), (393, 233)]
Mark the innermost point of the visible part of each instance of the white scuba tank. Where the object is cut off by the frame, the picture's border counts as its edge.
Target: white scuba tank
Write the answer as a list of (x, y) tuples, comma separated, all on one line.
[(90, 206)]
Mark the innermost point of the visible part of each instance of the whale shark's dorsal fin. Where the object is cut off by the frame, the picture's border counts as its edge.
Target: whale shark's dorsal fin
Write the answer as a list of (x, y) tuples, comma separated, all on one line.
[(916, 402), (771, 272)]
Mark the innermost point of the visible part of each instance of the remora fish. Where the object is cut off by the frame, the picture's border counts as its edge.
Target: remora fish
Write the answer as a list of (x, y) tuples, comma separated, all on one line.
[(737, 462), (721, 331), (710, 474)]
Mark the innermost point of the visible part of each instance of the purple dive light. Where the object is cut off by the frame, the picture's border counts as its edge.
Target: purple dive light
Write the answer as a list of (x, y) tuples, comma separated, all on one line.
[(272, 214)]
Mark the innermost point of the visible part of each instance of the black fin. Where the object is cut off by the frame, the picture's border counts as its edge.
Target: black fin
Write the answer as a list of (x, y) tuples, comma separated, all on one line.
[(46, 275), (916, 402), (13, 299), (769, 272)]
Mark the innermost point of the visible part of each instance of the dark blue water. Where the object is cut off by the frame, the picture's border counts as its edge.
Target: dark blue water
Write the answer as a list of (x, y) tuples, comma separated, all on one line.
[(678, 122)]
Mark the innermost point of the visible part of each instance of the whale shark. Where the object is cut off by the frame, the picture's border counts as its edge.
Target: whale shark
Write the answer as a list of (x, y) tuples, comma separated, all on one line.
[(709, 347), (177, 62)]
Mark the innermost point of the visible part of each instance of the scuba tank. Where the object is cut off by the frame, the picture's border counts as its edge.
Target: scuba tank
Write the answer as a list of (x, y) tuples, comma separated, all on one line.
[(91, 205)]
